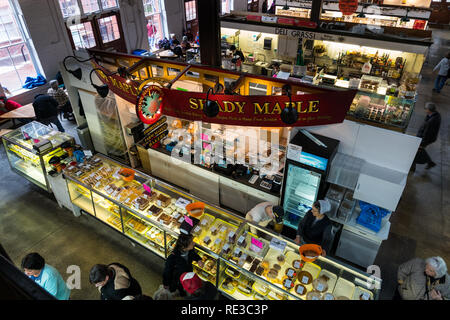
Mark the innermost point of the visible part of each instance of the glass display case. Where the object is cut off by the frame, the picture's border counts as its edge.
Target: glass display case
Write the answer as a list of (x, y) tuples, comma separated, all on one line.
[(242, 260), (29, 149)]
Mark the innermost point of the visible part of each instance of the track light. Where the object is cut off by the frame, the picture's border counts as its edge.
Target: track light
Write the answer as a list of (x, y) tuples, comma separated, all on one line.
[(405, 18), (211, 108), (102, 90), (289, 115), (77, 73), (362, 14), (286, 7)]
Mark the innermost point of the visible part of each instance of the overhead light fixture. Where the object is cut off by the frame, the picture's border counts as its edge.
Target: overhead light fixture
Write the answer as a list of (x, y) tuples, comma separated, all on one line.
[(211, 108), (286, 7), (289, 115), (77, 73), (103, 89), (362, 14), (405, 18)]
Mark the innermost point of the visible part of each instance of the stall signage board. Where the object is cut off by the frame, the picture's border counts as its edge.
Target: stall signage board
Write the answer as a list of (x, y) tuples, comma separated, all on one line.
[(155, 136), (322, 108), (152, 127)]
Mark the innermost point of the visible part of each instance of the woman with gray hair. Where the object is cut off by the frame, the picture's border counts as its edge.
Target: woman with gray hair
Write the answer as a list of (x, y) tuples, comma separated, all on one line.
[(420, 279)]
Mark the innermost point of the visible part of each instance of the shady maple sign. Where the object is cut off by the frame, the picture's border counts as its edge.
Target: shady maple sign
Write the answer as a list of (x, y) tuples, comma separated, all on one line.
[(328, 107)]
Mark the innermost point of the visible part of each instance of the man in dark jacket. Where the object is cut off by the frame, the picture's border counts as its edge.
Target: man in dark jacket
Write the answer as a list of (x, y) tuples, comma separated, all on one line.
[(46, 110), (114, 281), (428, 132)]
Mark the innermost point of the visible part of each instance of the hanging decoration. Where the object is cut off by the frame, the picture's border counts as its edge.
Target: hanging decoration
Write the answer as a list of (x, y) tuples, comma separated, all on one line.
[(149, 104)]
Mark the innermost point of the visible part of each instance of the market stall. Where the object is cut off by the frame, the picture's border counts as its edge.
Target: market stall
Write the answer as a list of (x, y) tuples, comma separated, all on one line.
[(384, 69), (241, 264), (35, 149)]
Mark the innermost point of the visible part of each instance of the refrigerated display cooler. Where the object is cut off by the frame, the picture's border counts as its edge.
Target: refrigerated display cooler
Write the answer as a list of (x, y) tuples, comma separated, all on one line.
[(307, 166), (29, 149)]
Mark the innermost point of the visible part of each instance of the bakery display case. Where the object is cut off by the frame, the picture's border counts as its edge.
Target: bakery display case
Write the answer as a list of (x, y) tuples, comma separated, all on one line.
[(242, 260), (263, 265), (29, 149)]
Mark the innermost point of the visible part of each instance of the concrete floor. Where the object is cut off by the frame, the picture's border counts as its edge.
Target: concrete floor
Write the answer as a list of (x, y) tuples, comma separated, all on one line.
[(30, 219)]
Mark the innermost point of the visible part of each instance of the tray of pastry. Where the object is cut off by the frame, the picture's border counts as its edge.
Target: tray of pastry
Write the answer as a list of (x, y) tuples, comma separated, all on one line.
[(115, 221), (216, 237), (273, 265), (137, 225), (362, 294), (154, 211), (155, 235), (330, 279), (253, 245), (343, 289), (164, 219), (229, 285), (201, 229), (163, 200)]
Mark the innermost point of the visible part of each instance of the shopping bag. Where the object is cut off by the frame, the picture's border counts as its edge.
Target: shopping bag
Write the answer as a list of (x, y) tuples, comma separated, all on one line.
[(162, 294)]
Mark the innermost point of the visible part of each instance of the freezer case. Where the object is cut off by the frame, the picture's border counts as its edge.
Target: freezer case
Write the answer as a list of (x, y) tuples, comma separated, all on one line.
[(30, 147), (300, 189)]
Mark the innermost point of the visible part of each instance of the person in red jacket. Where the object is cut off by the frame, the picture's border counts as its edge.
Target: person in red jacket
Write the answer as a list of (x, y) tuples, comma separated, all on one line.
[(7, 105)]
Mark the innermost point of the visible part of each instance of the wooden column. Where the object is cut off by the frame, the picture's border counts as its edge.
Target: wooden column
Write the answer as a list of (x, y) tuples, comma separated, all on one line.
[(209, 32)]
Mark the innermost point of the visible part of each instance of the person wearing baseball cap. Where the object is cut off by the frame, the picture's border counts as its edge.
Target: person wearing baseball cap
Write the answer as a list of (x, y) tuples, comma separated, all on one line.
[(196, 288)]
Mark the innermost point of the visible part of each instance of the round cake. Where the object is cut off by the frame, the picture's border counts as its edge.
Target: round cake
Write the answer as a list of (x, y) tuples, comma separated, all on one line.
[(296, 264), (320, 285), (300, 289), (304, 277), (288, 283), (290, 273), (281, 258), (313, 295)]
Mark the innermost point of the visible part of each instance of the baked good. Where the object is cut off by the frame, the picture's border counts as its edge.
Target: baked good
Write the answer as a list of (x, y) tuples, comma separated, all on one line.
[(296, 264), (141, 203), (249, 259), (162, 200), (214, 231), (272, 274), (327, 296), (261, 288), (244, 289), (241, 241), (290, 273), (232, 272), (342, 298), (304, 277), (165, 219), (300, 289), (313, 295), (207, 240), (277, 267), (288, 283), (265, 264), (254, 265), (320, 284), (154, 210), (226, 249), (231, 236), (275, 296), (257, 296), (259, 270), (281, 259)]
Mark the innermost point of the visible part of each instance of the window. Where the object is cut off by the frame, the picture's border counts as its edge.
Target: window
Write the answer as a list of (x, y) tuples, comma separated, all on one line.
[(99, 26), (109, 29), (191, 12), (17, 58), (83, 35), (153, 10), (227, 6)]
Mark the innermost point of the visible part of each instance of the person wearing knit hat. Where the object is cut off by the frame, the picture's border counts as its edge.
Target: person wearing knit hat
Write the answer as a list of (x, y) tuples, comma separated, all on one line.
[(197, 288), (423, 279), (315, 227)]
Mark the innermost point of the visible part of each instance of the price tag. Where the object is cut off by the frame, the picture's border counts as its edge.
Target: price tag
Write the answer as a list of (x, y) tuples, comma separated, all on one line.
[(288, 283), (147, 188), (98, 177), (278, 244), (315, 298), (218, 241), (257, 243), (365, 296), (300, 289), (320, 287), (241, 240), (305, 279), (290, 273), (237, 251), (189, 221), (223, 229), (88, 153)]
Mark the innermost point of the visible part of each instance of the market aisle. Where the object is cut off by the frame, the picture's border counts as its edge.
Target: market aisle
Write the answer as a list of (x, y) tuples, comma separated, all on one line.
[(31, 220), (421, 225)]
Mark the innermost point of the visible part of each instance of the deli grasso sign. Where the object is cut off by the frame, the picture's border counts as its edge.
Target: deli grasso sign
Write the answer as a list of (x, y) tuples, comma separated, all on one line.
[(324, 108)]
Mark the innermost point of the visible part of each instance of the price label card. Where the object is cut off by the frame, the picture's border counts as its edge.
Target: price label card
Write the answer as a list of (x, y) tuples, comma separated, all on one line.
[(288, 283), (278, 244), (189, 220), (365, 296), (305, 279), (88, 153), (223, 229), (300, 290), (290, 273), (320, 287), (257, 243), (315, 298), (237, 251), (147, 188)]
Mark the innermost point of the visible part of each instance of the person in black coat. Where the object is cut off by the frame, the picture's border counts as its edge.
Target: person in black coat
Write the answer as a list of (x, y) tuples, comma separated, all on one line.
[(46, 110), (179, 262), (428, 132), (315, 227), (114, 281)]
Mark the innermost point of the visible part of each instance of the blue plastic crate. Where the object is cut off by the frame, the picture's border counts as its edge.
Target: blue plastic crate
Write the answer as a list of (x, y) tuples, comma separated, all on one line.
[(371, 216)]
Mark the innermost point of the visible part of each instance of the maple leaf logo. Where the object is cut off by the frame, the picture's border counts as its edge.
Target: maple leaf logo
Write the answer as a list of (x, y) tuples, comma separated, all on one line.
[(151, 104)]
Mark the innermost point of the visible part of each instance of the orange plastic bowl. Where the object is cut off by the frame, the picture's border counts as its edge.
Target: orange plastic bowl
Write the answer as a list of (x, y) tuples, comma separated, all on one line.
[(195, 209), (306, 251), (127, 174)]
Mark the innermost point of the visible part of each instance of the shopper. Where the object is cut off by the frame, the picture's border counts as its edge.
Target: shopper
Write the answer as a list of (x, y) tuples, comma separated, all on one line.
[(196, 288), (179, 262), (272, 7), (263, 213), (315, 227), (173, 40), (428, 132), (420, 279), (264, 6), (114, 281), (276, 69), (237, 57), (443, 73), (61, 97), (46, 110), (34, 266), (151, 32)]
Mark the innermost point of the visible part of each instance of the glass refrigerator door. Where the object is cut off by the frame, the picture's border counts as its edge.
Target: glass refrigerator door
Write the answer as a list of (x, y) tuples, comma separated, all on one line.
[(300, 192)]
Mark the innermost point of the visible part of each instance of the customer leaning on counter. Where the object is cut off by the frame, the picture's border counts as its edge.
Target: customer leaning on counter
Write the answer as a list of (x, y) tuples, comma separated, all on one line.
[(315, 227), (265, 212), (423, 279), (179, 262)]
